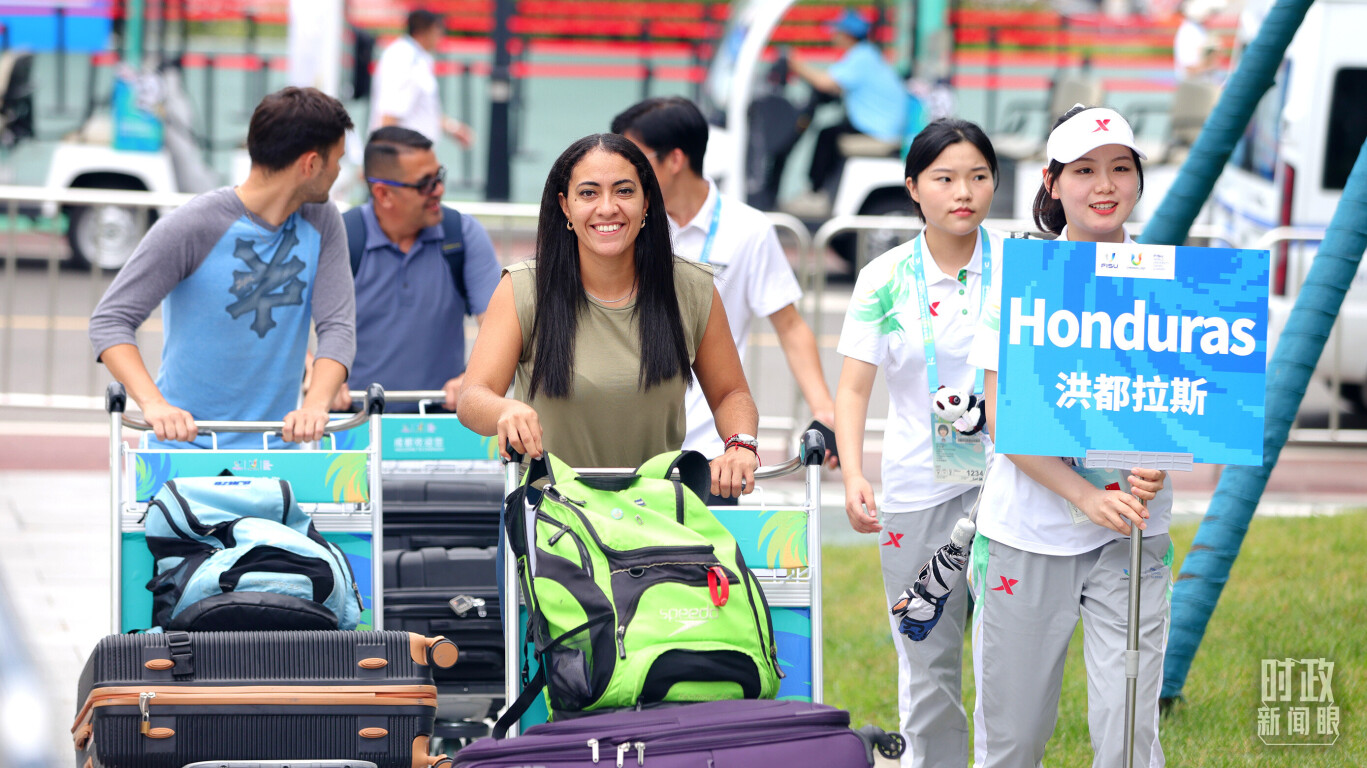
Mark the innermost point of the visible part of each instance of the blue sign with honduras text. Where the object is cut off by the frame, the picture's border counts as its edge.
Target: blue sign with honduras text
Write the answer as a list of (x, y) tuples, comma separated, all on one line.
[(1131, 347)]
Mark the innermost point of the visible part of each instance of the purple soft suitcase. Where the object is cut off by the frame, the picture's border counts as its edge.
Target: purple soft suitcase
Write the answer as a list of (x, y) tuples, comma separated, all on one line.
[(712, 734)]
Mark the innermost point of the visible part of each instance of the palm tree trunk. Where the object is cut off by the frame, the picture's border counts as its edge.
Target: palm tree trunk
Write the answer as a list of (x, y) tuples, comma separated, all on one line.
[(1217, 542)]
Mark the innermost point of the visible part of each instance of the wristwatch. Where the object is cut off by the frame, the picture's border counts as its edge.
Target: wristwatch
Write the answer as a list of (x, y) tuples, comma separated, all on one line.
[(747, 442)]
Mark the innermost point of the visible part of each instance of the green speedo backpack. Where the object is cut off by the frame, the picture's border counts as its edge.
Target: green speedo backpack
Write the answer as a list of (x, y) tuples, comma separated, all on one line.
[(636, 593)]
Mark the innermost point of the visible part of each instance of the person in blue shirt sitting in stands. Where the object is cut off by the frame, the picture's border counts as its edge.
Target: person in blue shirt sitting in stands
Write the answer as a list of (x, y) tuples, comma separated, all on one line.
[(874, 95)]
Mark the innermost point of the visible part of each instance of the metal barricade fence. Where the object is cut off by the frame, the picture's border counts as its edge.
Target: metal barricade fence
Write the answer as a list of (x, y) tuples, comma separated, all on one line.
[(45, 358)]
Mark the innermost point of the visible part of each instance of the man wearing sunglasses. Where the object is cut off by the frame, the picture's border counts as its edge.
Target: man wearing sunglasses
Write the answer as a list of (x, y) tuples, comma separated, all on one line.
[(419, 269)]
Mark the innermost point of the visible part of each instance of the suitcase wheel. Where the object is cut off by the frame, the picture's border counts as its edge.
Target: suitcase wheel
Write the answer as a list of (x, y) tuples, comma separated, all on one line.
[(442, 653), (891, 745)]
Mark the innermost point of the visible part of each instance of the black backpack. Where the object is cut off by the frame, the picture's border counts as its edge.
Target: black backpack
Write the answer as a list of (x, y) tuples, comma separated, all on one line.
[(452, 245)]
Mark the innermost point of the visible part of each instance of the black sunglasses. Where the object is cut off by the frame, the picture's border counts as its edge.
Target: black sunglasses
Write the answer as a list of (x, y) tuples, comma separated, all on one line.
[(424, 186)]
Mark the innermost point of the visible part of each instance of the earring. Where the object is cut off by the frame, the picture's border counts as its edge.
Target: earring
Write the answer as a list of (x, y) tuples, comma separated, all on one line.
[(569, 225), (644, 216)]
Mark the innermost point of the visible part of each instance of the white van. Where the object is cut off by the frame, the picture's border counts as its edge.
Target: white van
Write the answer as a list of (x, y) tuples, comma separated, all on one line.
[(1291, 166)]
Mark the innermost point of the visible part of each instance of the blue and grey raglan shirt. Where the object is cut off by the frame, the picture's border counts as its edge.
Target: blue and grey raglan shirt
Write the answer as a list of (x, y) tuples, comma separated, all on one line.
[(237, 296)]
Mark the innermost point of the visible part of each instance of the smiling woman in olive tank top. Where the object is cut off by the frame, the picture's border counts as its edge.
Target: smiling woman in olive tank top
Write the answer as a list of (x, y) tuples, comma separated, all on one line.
[(604, 331)]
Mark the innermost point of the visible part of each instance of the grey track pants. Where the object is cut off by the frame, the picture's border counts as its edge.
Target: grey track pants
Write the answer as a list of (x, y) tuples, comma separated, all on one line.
[(1027, 607), (929, 672)]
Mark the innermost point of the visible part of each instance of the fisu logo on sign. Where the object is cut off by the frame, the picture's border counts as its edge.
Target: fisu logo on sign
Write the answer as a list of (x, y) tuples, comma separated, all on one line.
[(1155, 262)]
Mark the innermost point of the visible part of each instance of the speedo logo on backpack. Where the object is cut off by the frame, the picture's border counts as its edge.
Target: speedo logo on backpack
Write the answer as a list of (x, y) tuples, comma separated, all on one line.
[(688, 617)]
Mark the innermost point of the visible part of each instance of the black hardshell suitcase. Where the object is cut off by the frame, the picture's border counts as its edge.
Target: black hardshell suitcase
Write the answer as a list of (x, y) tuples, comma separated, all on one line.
[(448, 510), (166, 700), (419, 586)]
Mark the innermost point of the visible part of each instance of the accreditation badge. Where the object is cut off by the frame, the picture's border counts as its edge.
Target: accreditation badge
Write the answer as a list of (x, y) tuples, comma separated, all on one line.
[(1105, 479), (957, 458)]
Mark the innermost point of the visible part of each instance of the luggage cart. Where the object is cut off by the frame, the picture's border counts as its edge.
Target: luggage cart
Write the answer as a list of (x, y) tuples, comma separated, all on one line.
[(429, 456), (781, 545), (342, 484)]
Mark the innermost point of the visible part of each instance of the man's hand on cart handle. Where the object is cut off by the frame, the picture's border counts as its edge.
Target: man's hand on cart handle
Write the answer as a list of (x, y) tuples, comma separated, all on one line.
[(520, 426), (306, 424), (827, 419), (452, 390), (169, 422), (341, 402)]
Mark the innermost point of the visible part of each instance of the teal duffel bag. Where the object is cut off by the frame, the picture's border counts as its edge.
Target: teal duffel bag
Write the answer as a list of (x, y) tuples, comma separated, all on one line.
[(636, 592), (238, 553)]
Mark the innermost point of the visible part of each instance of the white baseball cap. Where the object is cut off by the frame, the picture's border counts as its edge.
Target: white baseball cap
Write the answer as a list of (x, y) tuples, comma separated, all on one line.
[(1087, 130)]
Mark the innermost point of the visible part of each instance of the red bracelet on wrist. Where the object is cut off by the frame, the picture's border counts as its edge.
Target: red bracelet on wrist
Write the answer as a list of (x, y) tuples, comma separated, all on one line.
[(736, 441)]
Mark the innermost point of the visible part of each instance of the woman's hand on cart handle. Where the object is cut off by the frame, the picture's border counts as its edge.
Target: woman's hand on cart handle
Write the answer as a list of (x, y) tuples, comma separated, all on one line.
[(519, 426), (169, 422), (860, 506), (733, 472)]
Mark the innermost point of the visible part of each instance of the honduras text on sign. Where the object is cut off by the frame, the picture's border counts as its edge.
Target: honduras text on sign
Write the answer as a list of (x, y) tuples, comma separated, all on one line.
[(1125, 347)]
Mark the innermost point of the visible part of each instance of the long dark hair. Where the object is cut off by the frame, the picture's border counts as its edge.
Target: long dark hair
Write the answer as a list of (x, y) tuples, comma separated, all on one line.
[(939, 136), (560, 295), (1048, 211)]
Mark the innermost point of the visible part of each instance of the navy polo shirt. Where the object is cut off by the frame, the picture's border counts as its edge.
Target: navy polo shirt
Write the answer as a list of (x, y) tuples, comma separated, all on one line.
[(410, 331)]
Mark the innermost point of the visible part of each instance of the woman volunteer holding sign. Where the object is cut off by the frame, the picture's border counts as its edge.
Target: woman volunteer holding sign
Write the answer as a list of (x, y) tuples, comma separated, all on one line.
[(913, 311), (1052, 537)]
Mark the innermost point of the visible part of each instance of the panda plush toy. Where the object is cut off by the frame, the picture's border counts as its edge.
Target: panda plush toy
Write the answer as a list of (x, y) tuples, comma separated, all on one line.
[(965, 412)]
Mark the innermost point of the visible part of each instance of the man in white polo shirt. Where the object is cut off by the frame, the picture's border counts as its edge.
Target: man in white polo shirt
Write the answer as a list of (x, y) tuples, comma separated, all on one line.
[(405, 92), (753, 276)]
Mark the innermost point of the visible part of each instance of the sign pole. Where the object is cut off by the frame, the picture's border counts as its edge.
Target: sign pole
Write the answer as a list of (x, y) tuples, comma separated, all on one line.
[(1132, 643), (1124, 461)]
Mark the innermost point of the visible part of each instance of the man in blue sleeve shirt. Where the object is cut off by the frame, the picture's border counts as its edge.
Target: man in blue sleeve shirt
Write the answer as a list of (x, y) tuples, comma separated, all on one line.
[(420, 268), (240, 274), (874, 95)]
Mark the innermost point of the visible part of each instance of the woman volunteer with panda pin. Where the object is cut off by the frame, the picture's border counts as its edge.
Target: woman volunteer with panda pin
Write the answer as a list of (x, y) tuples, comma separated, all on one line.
[(1052, 540), (913, 312)]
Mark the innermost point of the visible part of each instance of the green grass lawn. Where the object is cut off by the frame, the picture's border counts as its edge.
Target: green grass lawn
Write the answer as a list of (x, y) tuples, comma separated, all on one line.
[(1297, 591)]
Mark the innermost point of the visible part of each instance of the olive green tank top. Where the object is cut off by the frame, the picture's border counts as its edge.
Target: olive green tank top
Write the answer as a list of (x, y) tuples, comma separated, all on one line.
[(607, 420)]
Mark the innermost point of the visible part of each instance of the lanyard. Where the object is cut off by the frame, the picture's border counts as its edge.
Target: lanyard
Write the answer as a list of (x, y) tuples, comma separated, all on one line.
[(705, 258), (927, 332)]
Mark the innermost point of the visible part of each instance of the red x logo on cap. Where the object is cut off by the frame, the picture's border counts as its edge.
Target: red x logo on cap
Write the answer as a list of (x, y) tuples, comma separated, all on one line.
[(1101, 125)]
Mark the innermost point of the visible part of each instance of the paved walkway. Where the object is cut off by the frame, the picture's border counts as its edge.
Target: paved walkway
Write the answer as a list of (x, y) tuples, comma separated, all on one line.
[(54, 536)]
